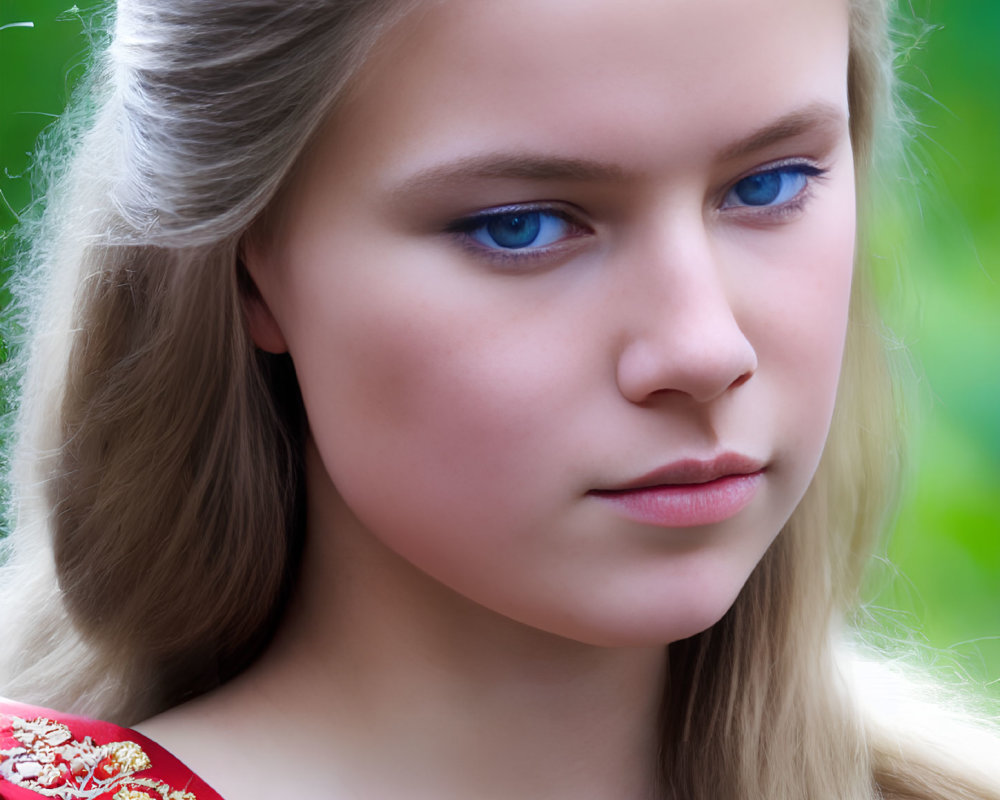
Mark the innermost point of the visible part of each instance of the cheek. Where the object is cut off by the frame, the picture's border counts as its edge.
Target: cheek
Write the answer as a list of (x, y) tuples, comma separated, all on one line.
[(443, 446), (419, 401), (801, 323), (821, 305)]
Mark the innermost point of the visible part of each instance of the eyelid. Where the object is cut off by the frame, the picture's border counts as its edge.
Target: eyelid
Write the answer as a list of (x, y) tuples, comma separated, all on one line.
[(465, 225), (556, 208), (781, 163), (810, 167)]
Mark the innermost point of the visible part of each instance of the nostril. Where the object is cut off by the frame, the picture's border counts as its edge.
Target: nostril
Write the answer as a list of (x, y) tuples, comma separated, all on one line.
[(741, 380)]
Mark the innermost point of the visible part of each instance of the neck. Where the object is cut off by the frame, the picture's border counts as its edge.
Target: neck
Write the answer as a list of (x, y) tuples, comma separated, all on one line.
[(409, 690)]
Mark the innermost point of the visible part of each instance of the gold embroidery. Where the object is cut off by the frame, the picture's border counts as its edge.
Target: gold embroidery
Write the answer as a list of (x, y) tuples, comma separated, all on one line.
[(129, 757), (50, 762), (162, 789)]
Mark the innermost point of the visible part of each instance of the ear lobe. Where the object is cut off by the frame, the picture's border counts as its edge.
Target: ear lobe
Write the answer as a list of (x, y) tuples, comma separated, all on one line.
[(261, 324)]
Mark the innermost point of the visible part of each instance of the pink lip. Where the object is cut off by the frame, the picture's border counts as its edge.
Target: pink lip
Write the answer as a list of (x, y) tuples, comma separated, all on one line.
[(688, 493)]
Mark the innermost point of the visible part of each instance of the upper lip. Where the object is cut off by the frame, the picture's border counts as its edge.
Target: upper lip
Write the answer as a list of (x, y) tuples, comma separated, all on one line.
[(693, 471)]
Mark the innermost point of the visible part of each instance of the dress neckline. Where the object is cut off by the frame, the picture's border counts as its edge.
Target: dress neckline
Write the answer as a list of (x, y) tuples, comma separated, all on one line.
[(45, 753)]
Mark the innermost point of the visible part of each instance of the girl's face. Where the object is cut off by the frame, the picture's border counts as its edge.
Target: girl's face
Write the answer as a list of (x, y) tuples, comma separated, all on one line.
[(566, 283)]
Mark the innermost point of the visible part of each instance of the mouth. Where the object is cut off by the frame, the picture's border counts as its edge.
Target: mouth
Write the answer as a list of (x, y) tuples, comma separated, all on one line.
[(687, 493)]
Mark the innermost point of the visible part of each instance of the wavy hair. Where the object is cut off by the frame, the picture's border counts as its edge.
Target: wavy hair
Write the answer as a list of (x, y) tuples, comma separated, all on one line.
[(156, 494)]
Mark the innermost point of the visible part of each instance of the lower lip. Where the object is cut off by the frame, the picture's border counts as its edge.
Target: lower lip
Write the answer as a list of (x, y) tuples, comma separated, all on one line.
[(685, 505)]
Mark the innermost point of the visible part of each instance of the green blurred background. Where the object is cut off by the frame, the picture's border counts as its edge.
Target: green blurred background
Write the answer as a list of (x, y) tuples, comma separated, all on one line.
[(938, 255)]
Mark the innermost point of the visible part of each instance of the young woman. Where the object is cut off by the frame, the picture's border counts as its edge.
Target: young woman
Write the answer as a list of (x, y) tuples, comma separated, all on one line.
[(459, 400)]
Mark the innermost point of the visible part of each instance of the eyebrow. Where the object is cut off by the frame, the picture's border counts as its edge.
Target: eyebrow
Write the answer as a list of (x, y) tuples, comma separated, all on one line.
[(519, 166), (816, 116), (511, 166)]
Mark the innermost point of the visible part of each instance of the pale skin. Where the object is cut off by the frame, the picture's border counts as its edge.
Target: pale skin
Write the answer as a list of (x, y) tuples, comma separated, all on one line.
[(471, 620)]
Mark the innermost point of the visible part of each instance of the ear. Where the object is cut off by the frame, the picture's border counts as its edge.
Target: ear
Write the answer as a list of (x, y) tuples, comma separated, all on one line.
[(261, 324)]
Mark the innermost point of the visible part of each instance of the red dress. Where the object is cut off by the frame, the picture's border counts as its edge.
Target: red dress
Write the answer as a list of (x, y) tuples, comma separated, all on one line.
[(47, 754)]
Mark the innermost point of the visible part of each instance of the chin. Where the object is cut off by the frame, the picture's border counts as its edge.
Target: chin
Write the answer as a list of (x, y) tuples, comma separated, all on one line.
[(645, 625)]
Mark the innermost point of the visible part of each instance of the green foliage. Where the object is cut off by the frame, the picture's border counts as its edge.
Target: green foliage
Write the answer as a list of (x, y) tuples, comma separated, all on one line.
[(940, 246), (38, 67)]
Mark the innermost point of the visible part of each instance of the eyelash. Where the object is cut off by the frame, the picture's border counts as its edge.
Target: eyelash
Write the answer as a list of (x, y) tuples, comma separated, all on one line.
[(472, 229), (467, 229), (809, 172)]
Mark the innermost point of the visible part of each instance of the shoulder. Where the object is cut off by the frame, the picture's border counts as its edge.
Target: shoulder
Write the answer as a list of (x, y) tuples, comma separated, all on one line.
[(44, 753)]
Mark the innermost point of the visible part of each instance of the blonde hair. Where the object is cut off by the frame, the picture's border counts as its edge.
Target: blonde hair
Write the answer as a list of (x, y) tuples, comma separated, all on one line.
[(157, 501)]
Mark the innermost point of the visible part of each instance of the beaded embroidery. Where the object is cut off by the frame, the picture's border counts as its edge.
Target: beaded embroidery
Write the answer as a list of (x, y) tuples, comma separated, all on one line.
[(49, 761)]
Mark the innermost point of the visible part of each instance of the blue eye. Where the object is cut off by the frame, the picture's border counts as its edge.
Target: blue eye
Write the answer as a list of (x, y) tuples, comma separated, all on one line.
[(517, 229), (773, 187)]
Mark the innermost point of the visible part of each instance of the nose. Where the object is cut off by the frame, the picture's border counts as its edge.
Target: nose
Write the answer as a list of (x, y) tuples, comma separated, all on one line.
[(681, 332)]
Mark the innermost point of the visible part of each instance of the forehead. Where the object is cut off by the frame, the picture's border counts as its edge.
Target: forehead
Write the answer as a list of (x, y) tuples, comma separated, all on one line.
[(678, 78)]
